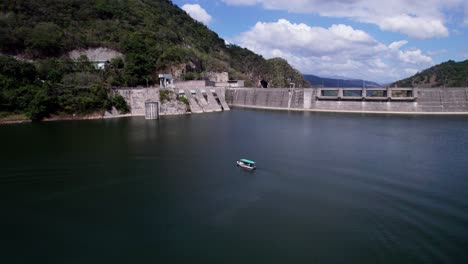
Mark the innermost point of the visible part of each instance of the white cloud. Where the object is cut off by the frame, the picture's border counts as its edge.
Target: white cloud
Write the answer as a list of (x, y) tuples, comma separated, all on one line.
[(304, 40), (436, 52), (410, 56), (198, 13), (418, 27), (414, 56), (419, 19), (337, 50), (397, 44)]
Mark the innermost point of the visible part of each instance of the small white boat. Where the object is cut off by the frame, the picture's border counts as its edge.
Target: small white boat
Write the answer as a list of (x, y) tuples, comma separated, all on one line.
[(246, 164)]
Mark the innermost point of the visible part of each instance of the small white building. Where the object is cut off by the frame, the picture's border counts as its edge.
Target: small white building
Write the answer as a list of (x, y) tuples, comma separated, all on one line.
[(100, 65), (166, 81), (231, 83), (236, 83)]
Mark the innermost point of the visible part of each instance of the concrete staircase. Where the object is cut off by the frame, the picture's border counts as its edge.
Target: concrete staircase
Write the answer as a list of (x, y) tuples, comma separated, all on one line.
[(202, 101), (220, 93), (212, 101), (194, 105)]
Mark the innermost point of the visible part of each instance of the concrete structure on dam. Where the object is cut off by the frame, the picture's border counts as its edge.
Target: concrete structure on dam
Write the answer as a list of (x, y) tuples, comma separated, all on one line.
[(202, 99), (359, 100)]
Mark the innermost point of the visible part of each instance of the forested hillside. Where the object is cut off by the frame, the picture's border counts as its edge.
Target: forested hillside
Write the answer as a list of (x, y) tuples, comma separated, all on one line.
[(448, 74), (154, 36)]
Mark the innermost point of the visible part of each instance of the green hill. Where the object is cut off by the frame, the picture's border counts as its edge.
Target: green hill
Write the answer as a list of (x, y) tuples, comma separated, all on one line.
[(154, 36), (448, 74)]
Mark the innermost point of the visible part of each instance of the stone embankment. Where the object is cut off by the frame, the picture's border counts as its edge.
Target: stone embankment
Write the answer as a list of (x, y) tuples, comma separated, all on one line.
[(415, 101)]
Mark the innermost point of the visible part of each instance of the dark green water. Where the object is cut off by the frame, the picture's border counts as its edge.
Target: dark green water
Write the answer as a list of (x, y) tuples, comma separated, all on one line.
[(328, 189)]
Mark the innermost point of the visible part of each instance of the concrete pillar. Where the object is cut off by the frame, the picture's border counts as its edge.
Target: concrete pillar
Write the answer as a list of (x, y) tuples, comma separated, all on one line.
[(307, 98), (389, 93), (364, 93), (340, 93), (290, 93)]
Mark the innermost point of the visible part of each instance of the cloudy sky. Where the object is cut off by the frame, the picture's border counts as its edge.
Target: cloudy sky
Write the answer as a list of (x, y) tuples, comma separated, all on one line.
[(381, 41)]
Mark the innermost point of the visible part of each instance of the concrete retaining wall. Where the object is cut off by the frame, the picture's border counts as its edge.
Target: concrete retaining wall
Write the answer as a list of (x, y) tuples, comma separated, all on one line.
[(136, 98), (191, 84), (429, 100)]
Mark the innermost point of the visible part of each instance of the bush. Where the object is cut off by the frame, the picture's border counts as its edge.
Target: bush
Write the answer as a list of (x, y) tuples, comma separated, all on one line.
[(39, 105), (117, 63), (165, 95), (191, 76), (120, 104), (185, 101)]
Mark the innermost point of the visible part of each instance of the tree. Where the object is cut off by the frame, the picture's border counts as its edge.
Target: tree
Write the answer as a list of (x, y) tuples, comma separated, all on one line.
[(120, 104), (38, 107), (44, 39)]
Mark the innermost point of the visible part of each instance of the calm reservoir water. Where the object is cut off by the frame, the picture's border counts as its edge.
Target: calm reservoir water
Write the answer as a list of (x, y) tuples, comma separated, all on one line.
[(328, 189)]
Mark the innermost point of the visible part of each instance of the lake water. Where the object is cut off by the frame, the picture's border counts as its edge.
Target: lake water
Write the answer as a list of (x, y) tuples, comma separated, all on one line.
[(329, 188)]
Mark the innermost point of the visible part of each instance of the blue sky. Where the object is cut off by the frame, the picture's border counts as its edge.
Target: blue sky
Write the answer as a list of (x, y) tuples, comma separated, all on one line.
[(381, 41)]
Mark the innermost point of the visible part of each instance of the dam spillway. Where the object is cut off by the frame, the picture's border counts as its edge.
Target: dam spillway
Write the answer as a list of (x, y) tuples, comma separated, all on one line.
[(371, 100)]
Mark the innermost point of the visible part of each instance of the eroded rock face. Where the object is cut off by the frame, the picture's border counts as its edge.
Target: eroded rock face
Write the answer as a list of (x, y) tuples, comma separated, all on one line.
[(98, 54), (220, 77), (112, 113), (170, 105), (173, 107)]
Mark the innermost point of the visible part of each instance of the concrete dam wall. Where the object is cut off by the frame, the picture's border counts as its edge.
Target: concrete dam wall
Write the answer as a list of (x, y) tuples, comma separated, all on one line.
[(393, 100)]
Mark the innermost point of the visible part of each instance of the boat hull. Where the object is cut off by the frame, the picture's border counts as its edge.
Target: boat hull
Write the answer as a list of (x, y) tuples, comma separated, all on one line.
[(245, 166)]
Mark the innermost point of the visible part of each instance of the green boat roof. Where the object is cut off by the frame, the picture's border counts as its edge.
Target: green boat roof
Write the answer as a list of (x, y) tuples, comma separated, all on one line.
[(247, 161)]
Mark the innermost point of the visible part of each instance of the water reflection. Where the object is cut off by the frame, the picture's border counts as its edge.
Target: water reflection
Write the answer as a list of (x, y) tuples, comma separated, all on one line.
[(328, 188)]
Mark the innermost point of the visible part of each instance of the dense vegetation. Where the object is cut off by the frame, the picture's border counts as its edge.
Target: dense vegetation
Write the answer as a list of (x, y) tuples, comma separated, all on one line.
[(281, 74), (447, 74), (155, 36), (53, 87)]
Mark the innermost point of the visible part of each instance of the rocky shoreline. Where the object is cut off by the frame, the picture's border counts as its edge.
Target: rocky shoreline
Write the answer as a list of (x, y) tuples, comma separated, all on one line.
[(55, 118), (168, 112)]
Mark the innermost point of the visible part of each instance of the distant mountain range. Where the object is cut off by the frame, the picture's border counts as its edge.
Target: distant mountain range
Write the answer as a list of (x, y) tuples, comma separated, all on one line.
[(448, 74), (316, 81)]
